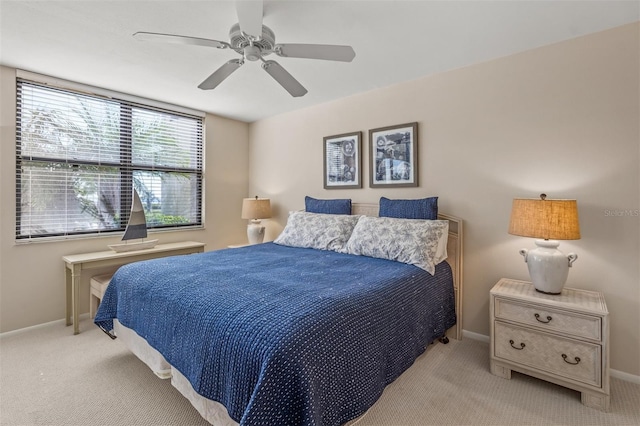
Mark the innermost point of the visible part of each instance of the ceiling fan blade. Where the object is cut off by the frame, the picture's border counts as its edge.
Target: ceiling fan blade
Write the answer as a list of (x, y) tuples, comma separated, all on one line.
[(328, 52), (250, 17), (220, 74), (178, 39), (285, 79)]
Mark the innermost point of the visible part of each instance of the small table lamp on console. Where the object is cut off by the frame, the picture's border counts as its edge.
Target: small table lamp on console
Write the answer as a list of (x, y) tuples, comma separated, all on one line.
[(547, 220), (255, 209)]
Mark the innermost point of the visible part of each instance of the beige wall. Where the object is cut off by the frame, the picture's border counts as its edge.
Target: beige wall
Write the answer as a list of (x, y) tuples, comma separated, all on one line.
[(562, 119), (32, 286)]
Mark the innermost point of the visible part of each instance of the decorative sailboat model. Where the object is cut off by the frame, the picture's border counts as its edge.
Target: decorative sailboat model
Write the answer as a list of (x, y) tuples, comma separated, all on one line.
[(136, 229)]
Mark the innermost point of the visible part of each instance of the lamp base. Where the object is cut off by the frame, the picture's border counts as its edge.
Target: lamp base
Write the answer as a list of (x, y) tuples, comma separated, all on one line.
[(255, 232), (548, 266)]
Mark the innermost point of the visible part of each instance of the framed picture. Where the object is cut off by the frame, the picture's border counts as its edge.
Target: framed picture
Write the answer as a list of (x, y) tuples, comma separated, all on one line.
[(343, 161), (394, 156)]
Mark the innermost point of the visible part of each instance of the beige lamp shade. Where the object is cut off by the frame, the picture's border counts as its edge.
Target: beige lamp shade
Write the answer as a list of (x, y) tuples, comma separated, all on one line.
[(256, 208), (545, 219)]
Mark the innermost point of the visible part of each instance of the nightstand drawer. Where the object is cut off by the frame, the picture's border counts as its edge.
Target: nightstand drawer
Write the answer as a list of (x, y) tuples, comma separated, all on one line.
[(548, 319), (545, 352)]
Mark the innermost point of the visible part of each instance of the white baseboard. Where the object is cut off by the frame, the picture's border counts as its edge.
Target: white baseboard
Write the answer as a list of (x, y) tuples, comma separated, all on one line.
[(625, 376), (35, 327), (614, 373), (475, 336)]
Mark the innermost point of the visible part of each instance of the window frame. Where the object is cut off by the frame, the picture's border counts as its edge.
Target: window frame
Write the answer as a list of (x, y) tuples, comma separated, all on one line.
[(126, 167)]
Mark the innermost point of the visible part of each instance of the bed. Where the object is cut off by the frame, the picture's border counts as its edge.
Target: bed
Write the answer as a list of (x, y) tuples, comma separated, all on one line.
[(283, 335)]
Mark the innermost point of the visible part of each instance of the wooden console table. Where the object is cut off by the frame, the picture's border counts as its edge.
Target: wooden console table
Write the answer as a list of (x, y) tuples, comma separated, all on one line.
[(76, 263)]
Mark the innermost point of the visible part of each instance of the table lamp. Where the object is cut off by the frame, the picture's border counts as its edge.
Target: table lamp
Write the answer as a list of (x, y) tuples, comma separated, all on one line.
[(548, 221), (255, 209)]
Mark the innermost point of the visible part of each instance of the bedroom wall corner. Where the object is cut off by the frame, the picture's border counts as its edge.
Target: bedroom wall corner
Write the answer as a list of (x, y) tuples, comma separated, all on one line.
[(227, 180)]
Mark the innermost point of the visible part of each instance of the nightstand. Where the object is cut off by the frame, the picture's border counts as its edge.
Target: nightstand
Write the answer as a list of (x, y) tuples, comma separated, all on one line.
[(563, 338)]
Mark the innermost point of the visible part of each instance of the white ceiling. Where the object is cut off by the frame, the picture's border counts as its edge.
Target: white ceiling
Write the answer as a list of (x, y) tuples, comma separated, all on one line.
[(89, 41)]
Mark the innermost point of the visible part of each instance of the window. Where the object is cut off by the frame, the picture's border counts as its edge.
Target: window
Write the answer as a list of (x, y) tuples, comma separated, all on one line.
[(79, 156)]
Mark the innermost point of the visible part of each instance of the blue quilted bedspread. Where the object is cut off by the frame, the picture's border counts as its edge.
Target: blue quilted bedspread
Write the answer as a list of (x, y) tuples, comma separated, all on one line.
[(281, 335)]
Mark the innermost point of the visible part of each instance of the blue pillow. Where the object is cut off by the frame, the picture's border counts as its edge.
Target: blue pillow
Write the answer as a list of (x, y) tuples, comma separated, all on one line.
[(337, 206), (423, 208)]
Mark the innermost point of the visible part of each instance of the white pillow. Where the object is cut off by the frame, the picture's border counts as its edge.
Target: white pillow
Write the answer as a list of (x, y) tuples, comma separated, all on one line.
[(316, 230), (422, 243)]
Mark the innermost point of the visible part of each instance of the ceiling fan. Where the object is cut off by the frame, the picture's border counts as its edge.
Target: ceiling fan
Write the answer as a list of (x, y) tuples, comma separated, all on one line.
[(253, 40)]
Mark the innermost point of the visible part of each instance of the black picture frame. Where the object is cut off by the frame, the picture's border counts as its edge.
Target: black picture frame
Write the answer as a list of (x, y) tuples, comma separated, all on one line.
[(343, 161), (393, 151)]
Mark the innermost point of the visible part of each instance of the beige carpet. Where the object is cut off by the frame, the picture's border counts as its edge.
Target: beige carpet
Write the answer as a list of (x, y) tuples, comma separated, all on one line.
[(50, 377)]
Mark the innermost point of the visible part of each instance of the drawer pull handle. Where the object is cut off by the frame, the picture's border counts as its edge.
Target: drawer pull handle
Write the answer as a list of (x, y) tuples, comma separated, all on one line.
[(544, 322), (522, 345), (564, 356)]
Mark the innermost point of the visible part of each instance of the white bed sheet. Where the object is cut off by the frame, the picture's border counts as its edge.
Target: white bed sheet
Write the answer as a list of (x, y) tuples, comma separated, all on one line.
[(143, 350)]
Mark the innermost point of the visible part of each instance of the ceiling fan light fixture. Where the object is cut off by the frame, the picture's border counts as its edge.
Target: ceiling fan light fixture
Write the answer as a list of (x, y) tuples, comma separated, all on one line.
[(252, 53)]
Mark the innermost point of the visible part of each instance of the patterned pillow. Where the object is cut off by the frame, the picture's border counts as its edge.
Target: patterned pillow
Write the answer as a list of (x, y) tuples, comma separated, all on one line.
[(411, 241), (336, 206), (423, 208), (318, 231)]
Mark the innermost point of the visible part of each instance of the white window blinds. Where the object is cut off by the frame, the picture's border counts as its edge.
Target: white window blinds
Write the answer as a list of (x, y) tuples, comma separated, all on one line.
[(79, 156)]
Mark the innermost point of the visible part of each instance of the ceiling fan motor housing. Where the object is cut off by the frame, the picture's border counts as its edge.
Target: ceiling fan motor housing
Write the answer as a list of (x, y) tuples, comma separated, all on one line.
[(238, 41)]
